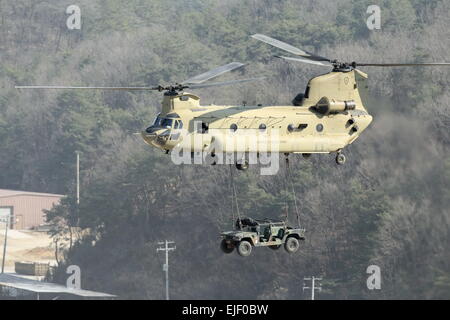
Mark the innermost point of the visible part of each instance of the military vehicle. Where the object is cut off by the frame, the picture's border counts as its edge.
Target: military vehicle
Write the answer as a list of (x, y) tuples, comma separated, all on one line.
[(250, 233), (326, 118)]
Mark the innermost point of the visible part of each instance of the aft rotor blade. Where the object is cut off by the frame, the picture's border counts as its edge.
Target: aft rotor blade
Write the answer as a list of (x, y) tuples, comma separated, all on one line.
[(287, 47), (224, 83), (402, 64), (89, 88), (319, 63), (213, 73)]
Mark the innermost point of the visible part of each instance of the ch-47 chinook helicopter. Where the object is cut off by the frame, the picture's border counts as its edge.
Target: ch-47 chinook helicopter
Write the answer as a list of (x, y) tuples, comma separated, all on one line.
[(326, 118)]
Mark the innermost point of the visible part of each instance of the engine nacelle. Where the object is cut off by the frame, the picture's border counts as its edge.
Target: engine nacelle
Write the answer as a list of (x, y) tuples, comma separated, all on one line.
[(326, 105)]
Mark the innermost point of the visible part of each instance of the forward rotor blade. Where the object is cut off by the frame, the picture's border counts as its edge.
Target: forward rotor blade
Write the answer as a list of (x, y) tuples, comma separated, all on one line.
[(224, 83), (287, 47), (88, 88), (213, 73), (319, 63), (402, 64)]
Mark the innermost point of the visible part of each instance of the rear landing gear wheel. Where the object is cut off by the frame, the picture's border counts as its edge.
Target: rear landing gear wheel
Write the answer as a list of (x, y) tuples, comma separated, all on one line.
[(306, 155), (226, 248), (340, 159), (242, 165)]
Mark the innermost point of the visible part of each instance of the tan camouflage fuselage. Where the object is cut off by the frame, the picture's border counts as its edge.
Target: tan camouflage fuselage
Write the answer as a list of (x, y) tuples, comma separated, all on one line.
[(284, 129)]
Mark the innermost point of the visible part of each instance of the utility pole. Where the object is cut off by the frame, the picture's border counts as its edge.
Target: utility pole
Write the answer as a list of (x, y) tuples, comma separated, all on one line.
[(164, 246), (78, 177), (314, 286), (6, 221)]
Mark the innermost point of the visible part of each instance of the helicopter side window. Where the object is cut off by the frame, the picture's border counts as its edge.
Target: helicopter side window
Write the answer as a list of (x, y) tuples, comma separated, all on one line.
[(202, 127), (262, 127), (178, 124), (205, 127), (306, 96)]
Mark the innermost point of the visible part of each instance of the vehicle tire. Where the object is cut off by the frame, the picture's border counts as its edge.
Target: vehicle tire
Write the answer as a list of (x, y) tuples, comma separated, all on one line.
[(225, 247), (340, 159), (243, 165), (292, 245), (275, 247), (244, 248)]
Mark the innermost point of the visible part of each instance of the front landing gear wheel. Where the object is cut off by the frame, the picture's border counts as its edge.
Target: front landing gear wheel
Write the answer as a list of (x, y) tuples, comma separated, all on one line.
[(340, 159), (244, 248), (243, 165), (226, 247)]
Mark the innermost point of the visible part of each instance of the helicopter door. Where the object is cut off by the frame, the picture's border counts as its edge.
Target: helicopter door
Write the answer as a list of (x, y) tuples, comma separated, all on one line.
[(176, 131)]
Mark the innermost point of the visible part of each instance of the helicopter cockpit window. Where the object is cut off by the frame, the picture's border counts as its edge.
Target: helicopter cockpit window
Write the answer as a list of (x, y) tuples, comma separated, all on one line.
[(157, 121), (166, 123), (178, 124)]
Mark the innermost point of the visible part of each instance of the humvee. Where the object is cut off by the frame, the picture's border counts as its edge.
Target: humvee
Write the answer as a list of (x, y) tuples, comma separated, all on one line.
[(250, 233)]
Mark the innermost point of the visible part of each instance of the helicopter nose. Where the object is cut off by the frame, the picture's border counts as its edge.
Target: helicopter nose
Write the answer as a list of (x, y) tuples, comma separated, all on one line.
[(155, 136)]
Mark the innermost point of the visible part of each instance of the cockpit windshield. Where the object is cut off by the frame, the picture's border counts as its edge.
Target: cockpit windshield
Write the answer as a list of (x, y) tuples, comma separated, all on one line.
[(166, 123), (157, 121)]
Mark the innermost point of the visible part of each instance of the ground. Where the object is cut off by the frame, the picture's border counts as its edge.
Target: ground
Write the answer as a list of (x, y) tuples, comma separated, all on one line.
[(27, 246)]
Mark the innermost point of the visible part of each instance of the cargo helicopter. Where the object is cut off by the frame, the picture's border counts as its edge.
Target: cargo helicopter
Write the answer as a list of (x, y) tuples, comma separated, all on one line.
[(326, 118)]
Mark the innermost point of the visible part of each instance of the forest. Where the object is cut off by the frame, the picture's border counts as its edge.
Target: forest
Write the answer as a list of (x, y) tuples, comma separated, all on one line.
[(387, 206)]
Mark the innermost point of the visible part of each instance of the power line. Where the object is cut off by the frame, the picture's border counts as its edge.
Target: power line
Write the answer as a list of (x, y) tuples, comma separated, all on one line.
[(165, 246), (314, 285)]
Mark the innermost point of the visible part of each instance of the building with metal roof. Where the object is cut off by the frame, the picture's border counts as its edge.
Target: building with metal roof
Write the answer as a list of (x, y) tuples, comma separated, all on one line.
[(12, 286), (26, 208)]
